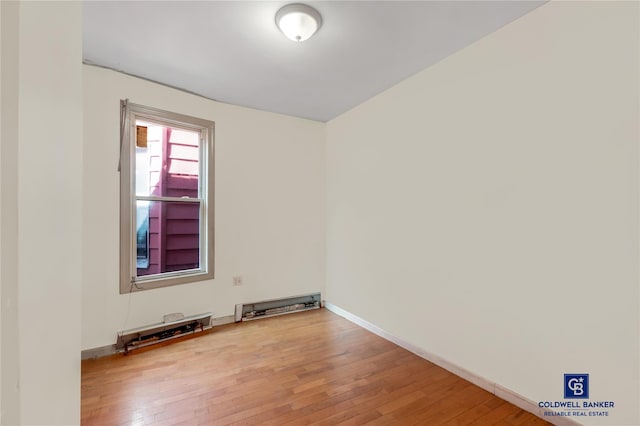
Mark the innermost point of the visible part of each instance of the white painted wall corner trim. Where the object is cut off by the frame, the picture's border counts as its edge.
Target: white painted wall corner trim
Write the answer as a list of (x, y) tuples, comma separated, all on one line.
[(496, 389)]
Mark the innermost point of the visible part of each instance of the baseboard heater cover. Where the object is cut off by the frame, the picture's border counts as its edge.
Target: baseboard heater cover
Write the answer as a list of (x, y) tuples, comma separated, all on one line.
[(173, 326), (270, 308)]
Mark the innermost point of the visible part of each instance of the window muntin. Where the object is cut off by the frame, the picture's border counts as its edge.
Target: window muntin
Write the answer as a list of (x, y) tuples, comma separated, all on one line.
[(166, 199)]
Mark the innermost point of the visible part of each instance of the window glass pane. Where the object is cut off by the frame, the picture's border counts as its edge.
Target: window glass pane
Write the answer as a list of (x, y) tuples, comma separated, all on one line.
[(172, 235), (167, 161), (142, 235)]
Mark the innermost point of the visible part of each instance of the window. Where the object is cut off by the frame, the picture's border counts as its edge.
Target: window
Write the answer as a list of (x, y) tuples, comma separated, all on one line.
[(166, 199)]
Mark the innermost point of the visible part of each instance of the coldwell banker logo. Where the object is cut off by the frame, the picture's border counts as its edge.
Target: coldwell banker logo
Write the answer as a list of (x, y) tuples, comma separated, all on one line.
[(576, 386)]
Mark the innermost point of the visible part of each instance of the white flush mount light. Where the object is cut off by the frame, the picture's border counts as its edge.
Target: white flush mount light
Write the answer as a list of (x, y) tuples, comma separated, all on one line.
[(298, 21)]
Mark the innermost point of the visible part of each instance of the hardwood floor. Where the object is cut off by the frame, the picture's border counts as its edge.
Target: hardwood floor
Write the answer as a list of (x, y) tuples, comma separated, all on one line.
[(312, 367)]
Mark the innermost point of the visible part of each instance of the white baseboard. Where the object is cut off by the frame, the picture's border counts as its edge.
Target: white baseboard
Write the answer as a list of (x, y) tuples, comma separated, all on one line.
[(103, 351), (95, 353), (229, 319), (492, 387)]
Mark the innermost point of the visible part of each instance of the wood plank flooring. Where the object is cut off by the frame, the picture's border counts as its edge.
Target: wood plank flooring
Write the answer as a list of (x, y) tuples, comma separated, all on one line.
[(306, 368)]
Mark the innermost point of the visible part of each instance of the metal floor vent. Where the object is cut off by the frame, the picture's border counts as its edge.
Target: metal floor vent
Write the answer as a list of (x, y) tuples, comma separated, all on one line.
[(270, 308), (173, 326)]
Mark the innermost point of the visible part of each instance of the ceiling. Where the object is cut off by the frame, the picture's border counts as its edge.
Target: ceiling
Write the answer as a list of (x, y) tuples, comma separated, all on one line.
[(231, 51)]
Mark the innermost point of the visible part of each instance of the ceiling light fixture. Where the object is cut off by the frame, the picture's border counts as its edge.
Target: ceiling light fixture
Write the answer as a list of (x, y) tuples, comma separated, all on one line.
[(298, 21)]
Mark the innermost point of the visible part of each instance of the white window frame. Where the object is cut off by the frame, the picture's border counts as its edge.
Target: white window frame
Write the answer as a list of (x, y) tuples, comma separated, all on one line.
[(129, 281)]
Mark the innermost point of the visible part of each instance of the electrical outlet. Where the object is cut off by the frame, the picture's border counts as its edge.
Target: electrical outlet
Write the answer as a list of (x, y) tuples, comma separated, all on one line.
[(237, 280)]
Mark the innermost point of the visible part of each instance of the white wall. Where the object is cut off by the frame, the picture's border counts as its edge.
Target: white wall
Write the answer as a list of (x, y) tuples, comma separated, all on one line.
[(269, 210), (486, 209), (9, 355), (41, 207)]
